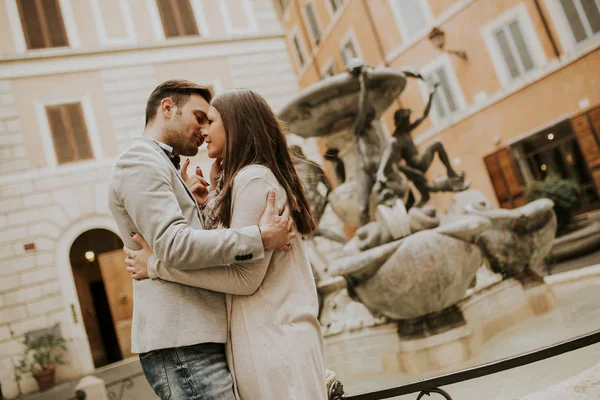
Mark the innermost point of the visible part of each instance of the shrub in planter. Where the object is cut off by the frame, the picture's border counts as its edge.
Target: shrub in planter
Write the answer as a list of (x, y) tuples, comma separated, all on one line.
[(41, 356), (565, 194)]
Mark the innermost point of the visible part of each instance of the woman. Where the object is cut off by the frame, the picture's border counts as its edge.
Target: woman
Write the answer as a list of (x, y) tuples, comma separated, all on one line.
[(275, 347)]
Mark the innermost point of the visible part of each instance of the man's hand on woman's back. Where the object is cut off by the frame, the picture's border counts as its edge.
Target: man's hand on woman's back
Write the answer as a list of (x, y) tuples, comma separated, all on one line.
[(277, 230)]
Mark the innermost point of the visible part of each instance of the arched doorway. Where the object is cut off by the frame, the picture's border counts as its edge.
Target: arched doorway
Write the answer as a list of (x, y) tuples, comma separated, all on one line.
[(104, 290)]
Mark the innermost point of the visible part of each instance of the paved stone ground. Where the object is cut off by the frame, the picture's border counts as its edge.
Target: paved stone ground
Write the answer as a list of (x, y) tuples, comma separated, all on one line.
[(584, 386)]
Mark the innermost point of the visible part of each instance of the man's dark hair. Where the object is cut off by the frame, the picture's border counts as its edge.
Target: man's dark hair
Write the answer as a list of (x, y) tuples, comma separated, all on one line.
[(178, 90)]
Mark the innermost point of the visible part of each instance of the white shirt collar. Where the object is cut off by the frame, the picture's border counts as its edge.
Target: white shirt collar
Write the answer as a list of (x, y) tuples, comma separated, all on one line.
[(165, 147)]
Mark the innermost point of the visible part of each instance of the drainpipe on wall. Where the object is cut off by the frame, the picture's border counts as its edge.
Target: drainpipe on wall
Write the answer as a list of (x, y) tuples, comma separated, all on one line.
[(547, 28)]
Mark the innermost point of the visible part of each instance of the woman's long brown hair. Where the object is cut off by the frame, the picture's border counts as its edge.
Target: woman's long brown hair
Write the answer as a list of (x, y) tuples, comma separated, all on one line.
[(254, 135)]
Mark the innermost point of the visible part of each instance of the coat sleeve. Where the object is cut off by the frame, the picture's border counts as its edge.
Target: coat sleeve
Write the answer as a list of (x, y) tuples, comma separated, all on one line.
[(240, 279), (145, 193)]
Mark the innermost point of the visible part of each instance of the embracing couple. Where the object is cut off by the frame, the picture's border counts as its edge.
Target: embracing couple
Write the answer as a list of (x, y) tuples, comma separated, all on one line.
[(225, 303)]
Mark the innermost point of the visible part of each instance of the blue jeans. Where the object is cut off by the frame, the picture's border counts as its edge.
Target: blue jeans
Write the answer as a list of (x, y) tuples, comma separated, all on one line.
[(192, 372)]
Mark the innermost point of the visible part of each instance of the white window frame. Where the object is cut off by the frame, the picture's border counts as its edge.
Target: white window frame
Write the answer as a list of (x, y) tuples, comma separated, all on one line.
[(18, 35), (216, 84), (565, 33), (295, 32), (330, 8), (281, 10), (445, 62), (130, 37), (330, 63), (90, 123), (157, 26), (532, 41), (307, 22), (252, 24), (350, 36), (406, 35)]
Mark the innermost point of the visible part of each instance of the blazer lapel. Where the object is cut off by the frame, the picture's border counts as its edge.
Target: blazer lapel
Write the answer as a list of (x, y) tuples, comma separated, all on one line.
[(188, 191), (164, 155)]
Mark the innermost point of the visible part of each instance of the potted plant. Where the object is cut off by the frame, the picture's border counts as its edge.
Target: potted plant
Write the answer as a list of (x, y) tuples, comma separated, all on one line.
[(41, 356), (573, 238)]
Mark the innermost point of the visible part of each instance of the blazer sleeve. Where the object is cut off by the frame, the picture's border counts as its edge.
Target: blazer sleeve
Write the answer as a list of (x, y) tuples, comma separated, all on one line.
[(147, 196), (239, 279)]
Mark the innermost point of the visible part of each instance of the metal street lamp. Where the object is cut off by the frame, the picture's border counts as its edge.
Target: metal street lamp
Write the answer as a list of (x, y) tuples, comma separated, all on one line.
[(438, 38)]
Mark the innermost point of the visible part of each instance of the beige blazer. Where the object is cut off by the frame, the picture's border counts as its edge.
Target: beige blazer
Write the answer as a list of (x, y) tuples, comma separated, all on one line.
[(147, 195)]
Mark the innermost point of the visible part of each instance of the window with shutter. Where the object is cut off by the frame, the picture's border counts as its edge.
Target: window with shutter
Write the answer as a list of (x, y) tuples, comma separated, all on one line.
[(444, 101), (282, 5), (335, 5), (515, 51), (298, 49), (69, 133), (349, 51), (42, 22), (583, 17), (177, 18), (313, 22), (331, 70), (410, 16)]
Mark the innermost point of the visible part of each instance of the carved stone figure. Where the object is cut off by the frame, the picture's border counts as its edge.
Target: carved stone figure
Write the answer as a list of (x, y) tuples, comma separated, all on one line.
[(518, 239), (368, 143), (398, 279), (332, 156), (348, 102), (316, 184)]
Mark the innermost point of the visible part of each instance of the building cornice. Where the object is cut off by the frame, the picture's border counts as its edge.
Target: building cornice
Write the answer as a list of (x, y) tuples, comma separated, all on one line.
[(65, 60)]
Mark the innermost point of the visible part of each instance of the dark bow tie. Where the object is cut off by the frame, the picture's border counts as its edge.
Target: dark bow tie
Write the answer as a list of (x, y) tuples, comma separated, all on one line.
[(173, 158)]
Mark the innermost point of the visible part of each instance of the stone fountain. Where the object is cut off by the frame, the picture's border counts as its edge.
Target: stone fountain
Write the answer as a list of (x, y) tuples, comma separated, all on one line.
[(411, 290)]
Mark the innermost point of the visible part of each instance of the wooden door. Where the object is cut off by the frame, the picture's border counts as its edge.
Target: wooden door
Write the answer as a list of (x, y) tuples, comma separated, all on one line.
[(506, 178), (119, 290), (587, 129)]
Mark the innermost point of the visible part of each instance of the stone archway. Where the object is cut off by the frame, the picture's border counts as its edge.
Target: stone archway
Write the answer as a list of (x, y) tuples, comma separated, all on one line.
[(79, 349), (88, 257)]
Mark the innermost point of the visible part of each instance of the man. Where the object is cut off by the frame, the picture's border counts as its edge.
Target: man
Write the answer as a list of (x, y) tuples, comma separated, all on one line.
[(180, 331)]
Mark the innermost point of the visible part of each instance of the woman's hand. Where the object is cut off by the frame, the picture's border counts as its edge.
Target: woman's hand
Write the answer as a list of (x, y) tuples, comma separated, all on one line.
[(196, 183), (137, 260)]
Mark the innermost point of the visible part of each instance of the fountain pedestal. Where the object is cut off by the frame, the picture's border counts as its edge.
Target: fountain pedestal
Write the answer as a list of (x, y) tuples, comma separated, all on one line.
[(485, 313)]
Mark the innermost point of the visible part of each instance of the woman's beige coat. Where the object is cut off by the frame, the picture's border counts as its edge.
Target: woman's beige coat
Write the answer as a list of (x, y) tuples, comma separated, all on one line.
[(274, 347)]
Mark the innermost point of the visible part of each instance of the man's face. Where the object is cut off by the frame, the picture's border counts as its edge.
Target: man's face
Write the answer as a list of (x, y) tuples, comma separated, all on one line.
[(184, 128)]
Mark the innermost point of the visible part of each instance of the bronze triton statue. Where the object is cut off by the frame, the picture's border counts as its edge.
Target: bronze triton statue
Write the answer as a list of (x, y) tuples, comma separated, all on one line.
[(401, 147)]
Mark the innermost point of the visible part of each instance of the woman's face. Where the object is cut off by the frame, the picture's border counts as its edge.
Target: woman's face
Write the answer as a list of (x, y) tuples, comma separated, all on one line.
[(214, 135)]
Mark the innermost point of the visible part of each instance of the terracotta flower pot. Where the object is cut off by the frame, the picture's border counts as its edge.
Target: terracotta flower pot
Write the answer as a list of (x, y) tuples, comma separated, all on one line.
[(45, 379)]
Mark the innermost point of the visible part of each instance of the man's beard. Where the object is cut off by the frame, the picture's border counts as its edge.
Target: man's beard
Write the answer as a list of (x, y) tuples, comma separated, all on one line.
[(180, 143)]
